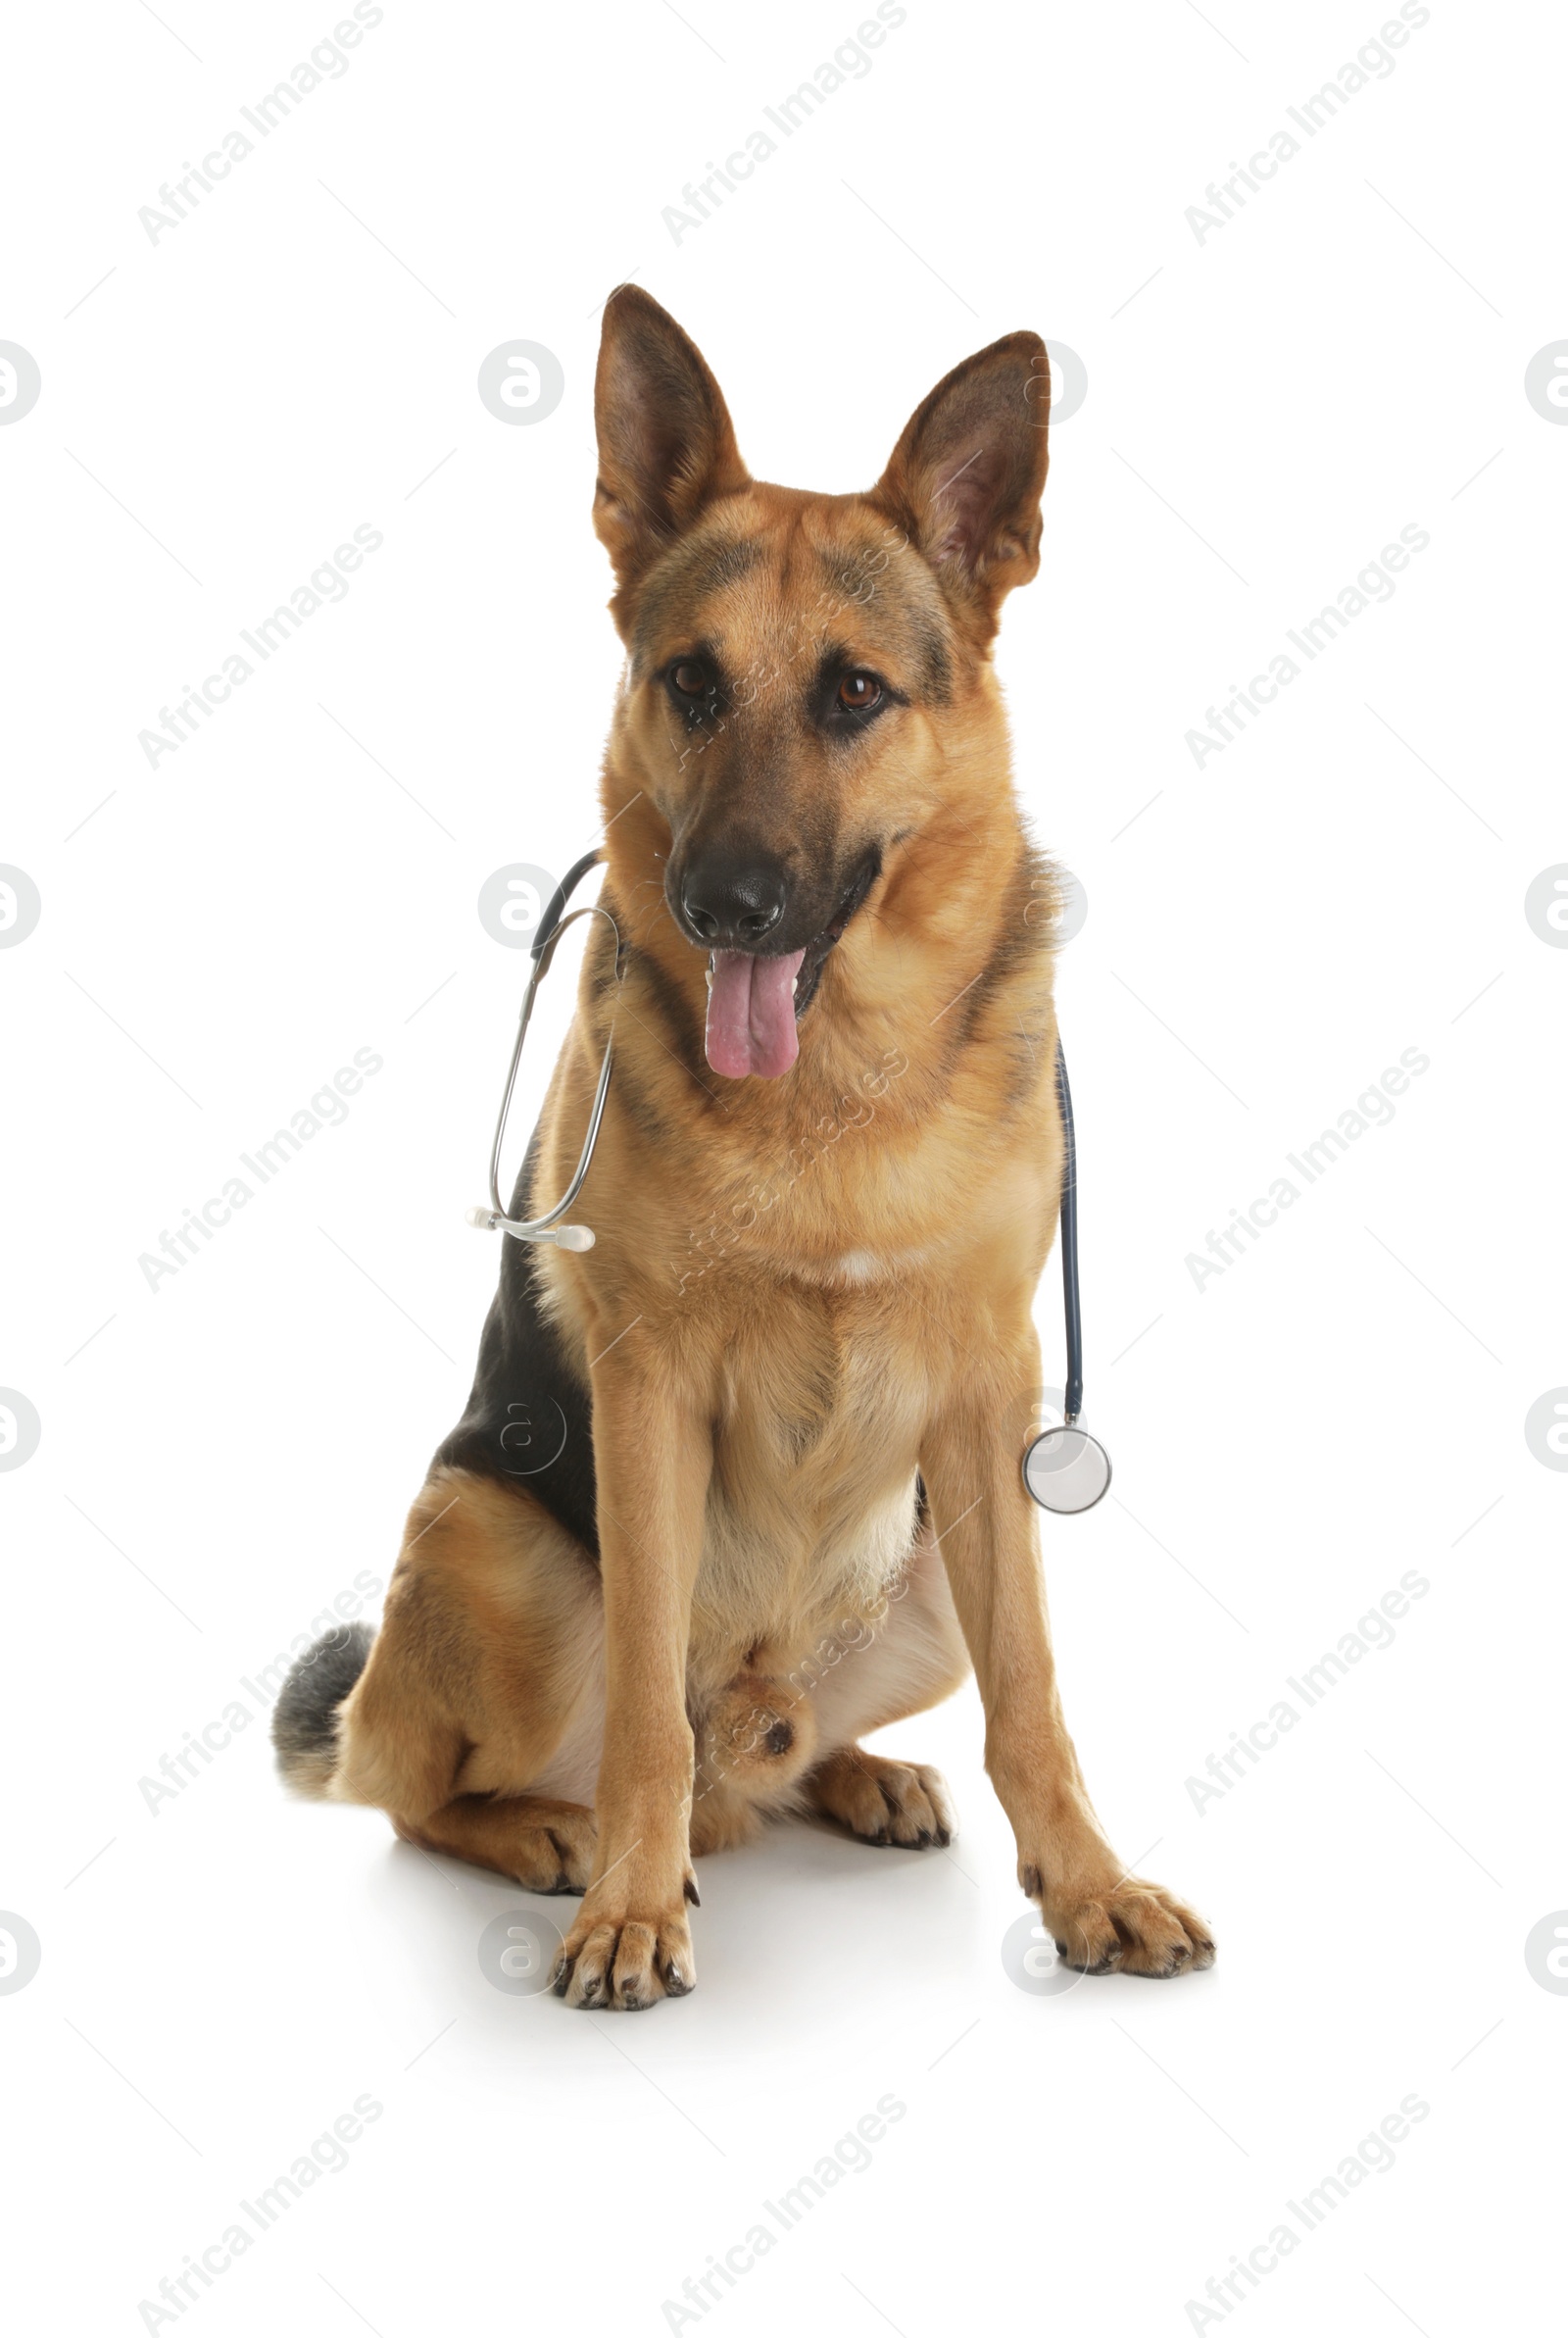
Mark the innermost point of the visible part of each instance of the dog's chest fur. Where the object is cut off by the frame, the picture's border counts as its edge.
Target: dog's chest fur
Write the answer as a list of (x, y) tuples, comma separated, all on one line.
[(823, 1282), (811, 1506)]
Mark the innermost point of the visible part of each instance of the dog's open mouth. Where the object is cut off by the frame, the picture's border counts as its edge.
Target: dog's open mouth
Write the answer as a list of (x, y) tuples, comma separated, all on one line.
[(755, 1003)]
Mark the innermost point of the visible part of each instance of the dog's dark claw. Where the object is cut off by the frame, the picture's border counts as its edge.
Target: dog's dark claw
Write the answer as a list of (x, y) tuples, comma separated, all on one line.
[(692, 1892)]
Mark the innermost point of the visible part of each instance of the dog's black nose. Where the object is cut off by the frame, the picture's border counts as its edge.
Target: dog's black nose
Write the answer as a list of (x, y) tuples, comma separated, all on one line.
[(732, 906)]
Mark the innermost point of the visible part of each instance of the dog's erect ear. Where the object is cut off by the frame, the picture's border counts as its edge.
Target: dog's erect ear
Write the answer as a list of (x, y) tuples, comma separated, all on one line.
[(964, 480), (666, 446)]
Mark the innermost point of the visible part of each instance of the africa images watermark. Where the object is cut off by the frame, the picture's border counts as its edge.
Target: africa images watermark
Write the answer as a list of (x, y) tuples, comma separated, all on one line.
[(327, 1109), (715, 1239), (851, 2155), (1374, 2155), (849, 62), (328, 2155), (754, 1730), (1373, 62), (1372, 1109), (328, 582), (326, 62), (855, 588), (323, 1635), (1374, 582), (1374, 1629)]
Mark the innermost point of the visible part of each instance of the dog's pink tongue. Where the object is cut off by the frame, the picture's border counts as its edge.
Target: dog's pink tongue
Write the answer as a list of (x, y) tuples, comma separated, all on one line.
[(750, 1014)]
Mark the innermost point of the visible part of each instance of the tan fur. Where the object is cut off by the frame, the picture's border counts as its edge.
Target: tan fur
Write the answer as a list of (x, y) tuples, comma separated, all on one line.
[(804, 1291)]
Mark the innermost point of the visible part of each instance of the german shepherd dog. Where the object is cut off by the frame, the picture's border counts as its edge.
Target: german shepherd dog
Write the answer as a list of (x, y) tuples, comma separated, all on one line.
[(742, 1481)]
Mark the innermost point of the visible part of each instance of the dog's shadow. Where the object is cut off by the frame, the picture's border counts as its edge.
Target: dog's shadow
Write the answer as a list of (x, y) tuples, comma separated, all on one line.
[(775, 1918)]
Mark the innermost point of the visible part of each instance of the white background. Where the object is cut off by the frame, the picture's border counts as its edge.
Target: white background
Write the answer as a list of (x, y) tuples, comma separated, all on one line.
[(1266, 409)]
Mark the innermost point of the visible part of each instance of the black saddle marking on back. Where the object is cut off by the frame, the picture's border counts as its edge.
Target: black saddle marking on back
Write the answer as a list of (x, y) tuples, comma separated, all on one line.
[(529, 1420)]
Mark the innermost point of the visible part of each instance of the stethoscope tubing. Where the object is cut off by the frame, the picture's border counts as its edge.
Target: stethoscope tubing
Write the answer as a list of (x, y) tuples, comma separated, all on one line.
[(548, 1227)]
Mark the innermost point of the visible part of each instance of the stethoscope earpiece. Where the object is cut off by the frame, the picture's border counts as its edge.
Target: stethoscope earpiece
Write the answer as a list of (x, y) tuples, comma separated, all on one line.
[(564, 1238)]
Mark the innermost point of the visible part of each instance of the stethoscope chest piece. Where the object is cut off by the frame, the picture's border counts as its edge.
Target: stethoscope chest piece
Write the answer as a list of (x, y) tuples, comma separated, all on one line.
[(1065, 1469)]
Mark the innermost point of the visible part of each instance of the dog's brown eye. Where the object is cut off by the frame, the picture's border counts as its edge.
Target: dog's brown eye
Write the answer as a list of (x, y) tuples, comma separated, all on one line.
[(689, 678), (858, 692)]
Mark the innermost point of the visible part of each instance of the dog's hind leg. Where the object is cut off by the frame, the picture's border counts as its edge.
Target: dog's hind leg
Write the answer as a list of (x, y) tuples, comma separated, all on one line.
[(488, 1653), (901, 1802), (911, 1657), (546, 1846)]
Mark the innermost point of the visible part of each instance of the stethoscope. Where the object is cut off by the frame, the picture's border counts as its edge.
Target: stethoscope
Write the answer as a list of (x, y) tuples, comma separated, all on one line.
[(1065, 1469), (548, 1229)]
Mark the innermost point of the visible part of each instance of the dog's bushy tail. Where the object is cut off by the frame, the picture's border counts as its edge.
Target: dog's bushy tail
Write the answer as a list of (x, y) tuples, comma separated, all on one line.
[(305, 1717)]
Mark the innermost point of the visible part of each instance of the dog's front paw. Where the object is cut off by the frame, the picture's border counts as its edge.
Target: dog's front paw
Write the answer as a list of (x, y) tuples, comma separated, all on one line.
[(616, 1957), (1123, 1927)]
